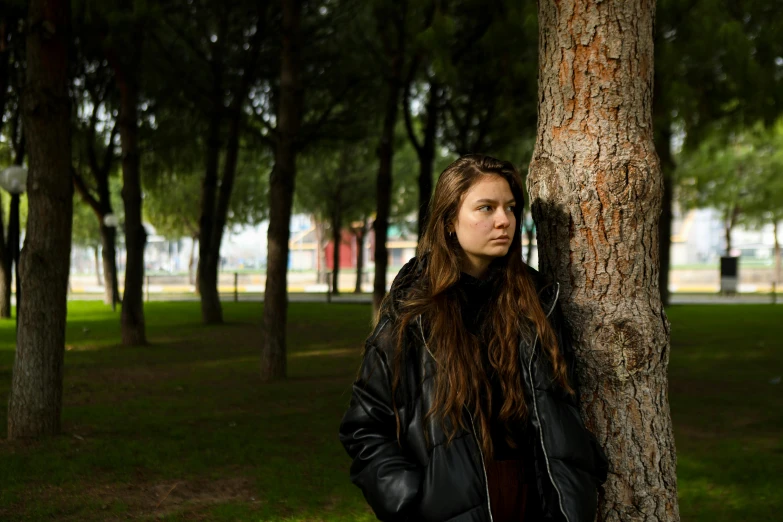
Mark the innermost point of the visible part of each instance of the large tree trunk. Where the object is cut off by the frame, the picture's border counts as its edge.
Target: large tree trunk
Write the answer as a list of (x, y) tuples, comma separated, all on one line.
[(127, 77), (36, 390), (596, 188), (281, 195), (111, 291)]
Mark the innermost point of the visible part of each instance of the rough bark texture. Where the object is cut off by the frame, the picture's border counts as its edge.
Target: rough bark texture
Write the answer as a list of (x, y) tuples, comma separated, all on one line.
[(596, 188), (132, 319), (37, 383), (281, 195)]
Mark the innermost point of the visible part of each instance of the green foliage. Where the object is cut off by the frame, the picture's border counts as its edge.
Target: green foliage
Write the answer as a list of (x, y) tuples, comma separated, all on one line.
[(86, 230), (337, 181), (716, 64), (740, 175)]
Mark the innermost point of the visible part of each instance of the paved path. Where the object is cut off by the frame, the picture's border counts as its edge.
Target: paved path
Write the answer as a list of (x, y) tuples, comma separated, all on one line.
[(302, 297)]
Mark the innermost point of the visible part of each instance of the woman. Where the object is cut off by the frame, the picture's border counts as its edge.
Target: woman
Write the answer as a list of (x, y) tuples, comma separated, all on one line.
[(466, 405)]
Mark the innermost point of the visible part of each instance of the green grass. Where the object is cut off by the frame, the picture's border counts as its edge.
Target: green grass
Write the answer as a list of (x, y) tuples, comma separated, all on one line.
[(183, 430)]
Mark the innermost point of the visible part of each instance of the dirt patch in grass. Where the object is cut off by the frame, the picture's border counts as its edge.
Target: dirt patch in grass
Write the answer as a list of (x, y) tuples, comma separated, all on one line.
[(136, 501)]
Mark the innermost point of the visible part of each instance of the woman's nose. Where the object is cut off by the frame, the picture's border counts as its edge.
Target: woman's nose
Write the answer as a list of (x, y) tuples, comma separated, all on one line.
[(501, 219)]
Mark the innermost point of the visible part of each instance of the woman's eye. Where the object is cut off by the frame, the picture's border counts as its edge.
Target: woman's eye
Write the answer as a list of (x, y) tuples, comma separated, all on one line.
[(485, 207), (510, 208)]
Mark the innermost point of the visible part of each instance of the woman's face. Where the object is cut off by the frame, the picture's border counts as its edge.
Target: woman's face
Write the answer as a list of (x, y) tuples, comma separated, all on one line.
[(485, 223)]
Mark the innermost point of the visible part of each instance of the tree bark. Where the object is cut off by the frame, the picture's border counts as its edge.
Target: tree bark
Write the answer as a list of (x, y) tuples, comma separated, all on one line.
[(360, 234), (35, 401), (336, 241), (281, 195), (596, 188), (127, 77)]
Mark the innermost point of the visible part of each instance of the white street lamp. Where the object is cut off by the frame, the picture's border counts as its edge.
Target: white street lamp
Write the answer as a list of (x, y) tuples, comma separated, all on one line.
[(14, 180), (111, 221)]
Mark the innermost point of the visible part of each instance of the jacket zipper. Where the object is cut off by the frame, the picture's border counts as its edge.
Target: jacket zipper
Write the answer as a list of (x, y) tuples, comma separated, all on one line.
[(472, 426), (538, 418)]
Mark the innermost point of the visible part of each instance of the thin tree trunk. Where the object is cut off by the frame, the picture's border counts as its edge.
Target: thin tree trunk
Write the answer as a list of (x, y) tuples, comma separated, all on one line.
[(191, 262), (320, 242), (281, 195), (529, 232), (6, 262), (5, 280), (127, 78), (384, 180), (96, 254), (777, 253), (111, 290), (35, 401), (5, 259), (336, 241), (662, 136), (207, 273), (427, 155), (596, 188), (360, 234)]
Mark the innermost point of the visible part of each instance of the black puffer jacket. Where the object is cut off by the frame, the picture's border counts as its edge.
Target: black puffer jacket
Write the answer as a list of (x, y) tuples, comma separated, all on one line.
[(412, 480)]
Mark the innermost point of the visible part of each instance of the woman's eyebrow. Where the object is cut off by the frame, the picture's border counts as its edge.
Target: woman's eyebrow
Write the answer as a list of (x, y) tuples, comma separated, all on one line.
[(485, 200)]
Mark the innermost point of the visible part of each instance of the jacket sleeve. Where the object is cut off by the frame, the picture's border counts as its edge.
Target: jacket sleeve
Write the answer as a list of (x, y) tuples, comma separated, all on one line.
[(388, 478)]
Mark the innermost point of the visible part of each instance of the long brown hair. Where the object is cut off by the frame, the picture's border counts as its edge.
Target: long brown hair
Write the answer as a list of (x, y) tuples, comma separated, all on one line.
[(515, 311)]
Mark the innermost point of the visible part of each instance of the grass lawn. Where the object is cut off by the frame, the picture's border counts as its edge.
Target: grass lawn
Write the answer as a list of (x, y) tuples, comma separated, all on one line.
[(183, 430)]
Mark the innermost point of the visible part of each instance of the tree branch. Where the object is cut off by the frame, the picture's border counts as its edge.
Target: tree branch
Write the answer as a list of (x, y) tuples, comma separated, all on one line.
[(84, 192)]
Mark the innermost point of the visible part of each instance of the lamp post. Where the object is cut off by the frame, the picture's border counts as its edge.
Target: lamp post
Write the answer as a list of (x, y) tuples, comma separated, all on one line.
[(14, 180)]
